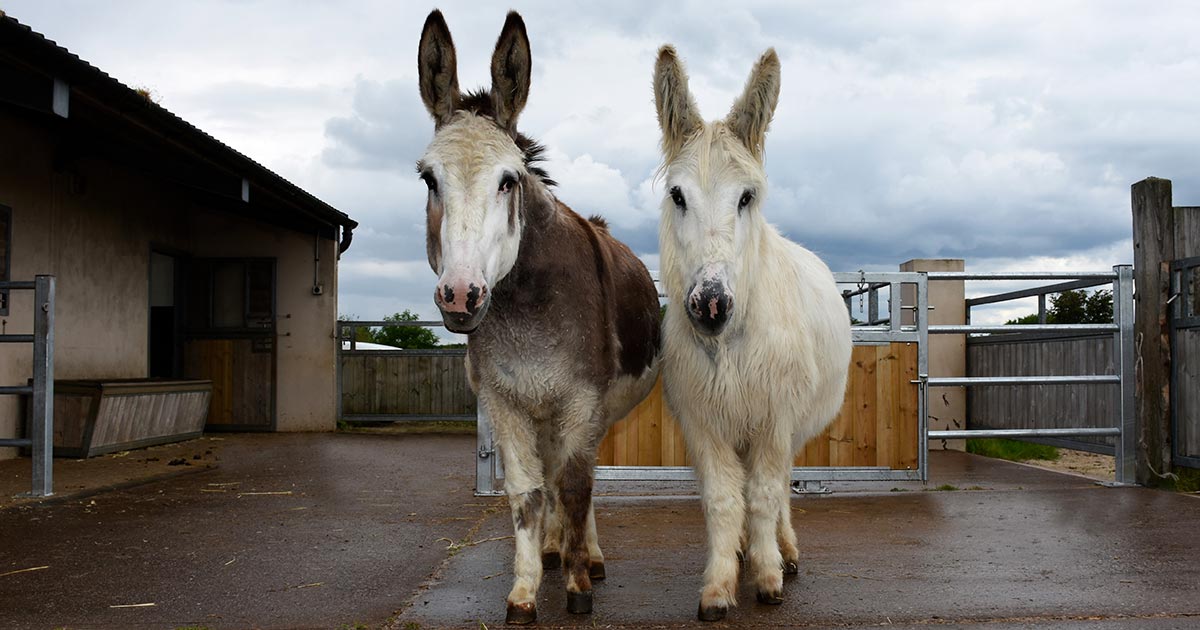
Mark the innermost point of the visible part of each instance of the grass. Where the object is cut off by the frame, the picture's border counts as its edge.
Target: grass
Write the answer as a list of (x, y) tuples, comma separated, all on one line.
[(1184, 480), (1012, 450)]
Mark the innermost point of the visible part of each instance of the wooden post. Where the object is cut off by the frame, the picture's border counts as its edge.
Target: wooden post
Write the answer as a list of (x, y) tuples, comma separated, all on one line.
[(1153, 251)]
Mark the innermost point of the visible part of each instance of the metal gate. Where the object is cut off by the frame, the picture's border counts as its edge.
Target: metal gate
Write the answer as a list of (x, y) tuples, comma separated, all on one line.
[(878, 329), (1121, 329), (1184, 306)]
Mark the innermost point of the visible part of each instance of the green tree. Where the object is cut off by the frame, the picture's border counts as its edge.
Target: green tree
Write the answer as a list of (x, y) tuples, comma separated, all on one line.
[(362, 333), (411, 337), (1074, 307)]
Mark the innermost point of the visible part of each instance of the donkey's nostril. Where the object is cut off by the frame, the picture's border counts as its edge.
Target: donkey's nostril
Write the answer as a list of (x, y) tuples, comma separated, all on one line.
[(475, 297)]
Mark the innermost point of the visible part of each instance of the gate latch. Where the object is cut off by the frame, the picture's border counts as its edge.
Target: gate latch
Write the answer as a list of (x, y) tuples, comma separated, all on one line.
[(485, 452)]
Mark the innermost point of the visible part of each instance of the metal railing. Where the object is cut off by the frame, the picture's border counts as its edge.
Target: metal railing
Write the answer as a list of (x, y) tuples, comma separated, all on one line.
[(1121, 278), (40, 432)]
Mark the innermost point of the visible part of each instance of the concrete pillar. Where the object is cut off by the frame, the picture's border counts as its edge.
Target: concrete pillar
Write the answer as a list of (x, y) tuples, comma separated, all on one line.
[(947, 353)]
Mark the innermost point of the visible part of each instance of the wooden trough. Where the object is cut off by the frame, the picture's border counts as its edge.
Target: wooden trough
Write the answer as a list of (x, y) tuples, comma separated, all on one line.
[(93, 417)]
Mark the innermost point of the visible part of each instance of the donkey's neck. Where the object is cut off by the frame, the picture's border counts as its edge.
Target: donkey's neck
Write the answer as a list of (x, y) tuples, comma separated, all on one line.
[(542, 234)]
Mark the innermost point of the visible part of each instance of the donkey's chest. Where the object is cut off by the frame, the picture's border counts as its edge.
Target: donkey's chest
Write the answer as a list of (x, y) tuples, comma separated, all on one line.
[(538, 371)]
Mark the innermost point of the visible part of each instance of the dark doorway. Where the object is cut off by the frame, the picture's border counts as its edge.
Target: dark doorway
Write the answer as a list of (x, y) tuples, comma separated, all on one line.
[(229, 338), (165, 340)]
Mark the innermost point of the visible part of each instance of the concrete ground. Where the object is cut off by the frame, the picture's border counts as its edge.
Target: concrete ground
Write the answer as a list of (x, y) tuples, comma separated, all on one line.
[(363, 531)]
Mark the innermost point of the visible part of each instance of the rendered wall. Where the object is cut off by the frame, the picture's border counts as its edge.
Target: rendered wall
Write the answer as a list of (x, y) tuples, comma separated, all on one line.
[(94, 228)]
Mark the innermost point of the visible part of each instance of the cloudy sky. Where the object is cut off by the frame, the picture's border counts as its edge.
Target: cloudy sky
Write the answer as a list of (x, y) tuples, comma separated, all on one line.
[(1006, 133)]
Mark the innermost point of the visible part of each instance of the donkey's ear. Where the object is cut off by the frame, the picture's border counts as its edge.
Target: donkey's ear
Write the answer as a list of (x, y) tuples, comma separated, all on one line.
[(510, 71), (751, 114), (678, 116), (437, 69)]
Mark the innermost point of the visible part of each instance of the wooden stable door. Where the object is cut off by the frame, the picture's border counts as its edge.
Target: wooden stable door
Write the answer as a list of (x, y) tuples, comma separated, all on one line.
[(230, 339), (877, 425)]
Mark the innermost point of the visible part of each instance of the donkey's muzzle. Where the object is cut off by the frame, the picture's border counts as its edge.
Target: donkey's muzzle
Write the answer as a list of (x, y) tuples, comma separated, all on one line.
[(708, 306), (462, 305)]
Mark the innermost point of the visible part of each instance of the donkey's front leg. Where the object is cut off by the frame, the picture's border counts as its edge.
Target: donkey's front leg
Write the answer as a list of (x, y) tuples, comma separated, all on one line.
[(721, 485), (767, 496), (580, 424), (575, 497), (524, 485)]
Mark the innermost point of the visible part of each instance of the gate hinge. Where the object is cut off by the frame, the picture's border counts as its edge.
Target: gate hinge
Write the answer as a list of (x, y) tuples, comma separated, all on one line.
[(485, 452)]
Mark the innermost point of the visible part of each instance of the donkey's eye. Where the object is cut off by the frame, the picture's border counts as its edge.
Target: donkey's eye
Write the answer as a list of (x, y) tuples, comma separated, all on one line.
[(430, 181), (677, 197), (506, 184), (747, 197)]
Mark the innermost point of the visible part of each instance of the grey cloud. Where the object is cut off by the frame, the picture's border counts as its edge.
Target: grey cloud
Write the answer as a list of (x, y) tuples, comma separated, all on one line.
[(387, 129)]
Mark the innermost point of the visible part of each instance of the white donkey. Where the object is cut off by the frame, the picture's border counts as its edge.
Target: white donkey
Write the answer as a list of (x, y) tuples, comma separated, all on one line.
[(757, 339)]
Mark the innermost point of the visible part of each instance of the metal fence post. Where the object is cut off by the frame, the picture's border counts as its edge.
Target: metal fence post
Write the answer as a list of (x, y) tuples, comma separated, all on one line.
[(41, 429), (1126, 461), (485, 455)]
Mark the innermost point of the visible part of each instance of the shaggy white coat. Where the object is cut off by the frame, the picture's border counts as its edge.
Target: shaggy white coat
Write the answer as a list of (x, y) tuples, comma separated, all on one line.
[(775, 377)]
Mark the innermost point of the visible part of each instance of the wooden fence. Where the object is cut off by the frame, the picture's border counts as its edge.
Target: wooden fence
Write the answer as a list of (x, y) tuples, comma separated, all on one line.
[(418, 383), (1044, 406), (876, 427)]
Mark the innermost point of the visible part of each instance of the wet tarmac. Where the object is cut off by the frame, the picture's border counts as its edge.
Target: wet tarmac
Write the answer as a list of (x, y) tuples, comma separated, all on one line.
[(330, 531)]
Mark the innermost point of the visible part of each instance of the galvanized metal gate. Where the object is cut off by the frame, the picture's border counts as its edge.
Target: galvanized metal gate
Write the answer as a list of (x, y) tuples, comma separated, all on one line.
[(1184, 306), (1123, 425), (887, 333)]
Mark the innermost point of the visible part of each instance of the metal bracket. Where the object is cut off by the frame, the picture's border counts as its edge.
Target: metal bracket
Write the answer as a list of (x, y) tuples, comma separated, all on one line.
[(484, 452), (810, 487)]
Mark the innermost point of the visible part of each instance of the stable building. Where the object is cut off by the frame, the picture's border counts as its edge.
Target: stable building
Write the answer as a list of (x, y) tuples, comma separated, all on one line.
[(175, 256)]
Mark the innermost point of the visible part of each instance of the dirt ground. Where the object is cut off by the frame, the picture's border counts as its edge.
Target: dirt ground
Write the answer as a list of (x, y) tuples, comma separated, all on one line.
[(1094, 465)]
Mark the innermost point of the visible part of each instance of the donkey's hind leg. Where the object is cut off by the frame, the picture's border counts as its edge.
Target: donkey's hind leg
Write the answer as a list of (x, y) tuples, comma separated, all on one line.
[(595, 556), (552, 529), (787, 535)]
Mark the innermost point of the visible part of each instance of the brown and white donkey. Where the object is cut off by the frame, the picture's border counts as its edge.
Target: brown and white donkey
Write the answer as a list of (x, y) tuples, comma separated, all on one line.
[(563, 320)]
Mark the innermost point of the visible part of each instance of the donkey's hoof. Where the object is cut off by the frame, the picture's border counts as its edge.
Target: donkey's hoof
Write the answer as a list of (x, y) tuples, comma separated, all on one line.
[(741, 556), (579, 603), (712, 613), (790, 567), (596, 571), (521, 614), (771, 598), (551, 560)]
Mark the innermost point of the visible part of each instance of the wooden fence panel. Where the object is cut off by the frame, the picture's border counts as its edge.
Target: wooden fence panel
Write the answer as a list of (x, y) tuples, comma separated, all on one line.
[(1043, 406), (877, 425), (392, 383), (1187, 392)]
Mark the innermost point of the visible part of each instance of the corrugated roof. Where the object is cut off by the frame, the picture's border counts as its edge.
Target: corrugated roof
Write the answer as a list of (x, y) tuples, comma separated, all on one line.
[(62, 63)]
